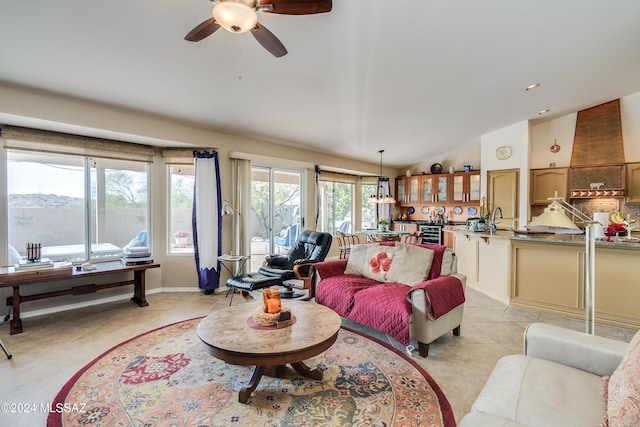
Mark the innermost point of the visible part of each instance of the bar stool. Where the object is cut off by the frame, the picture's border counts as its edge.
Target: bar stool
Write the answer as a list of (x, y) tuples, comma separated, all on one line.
[(415, 237), (345, 241)]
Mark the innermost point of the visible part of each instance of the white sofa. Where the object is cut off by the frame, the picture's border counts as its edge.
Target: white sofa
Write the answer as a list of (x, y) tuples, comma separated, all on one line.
[(557, 382)]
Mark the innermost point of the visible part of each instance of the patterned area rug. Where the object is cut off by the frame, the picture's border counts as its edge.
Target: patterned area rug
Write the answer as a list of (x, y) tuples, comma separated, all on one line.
[(165, 378)]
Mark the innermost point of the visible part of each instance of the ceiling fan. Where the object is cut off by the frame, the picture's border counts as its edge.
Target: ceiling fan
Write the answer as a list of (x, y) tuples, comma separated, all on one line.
[(239, 16)]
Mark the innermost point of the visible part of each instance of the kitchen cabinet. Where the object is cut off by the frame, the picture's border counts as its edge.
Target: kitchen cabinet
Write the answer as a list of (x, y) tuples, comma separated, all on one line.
[(486, 262), (633, 182), (447, 235), (547, 183), (502, 192), (435, 188), (465, 187), (407, 190), (404, 226), (559, 287), (547, 274)]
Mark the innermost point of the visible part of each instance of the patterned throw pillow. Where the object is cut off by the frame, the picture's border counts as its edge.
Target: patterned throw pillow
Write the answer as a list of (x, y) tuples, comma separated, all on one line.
[(411, 264), (379, 260), (623, 391), (358, 261)]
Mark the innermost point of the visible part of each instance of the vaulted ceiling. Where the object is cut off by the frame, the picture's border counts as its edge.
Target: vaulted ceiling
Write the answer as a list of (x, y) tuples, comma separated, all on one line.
[(417, 78)]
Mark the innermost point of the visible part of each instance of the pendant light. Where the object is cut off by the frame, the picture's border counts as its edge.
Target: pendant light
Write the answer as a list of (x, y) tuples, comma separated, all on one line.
[(381, 198)]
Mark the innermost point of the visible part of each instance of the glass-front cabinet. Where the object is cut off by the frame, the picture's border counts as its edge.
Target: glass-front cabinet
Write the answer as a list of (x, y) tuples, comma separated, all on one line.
[(407, 190), (444, 188), (434, 188), (465, 187), (443, 184), (427, 189)]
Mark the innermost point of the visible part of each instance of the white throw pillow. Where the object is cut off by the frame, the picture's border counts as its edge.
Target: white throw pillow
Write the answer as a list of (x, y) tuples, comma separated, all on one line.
[(358, 261), (411, 264), (379, 261)]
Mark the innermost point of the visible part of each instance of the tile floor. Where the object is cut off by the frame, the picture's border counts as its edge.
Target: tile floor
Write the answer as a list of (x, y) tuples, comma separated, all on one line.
[(54, 347)]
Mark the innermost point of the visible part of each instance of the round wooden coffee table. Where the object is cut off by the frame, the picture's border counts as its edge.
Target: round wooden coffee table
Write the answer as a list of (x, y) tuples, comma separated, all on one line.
[(228, 336)]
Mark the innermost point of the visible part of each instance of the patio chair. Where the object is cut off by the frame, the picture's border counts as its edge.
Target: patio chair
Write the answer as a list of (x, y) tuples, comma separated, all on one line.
[(289, 238)]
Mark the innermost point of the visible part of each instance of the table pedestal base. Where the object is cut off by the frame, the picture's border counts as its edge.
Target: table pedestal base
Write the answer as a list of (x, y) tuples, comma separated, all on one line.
[(278, 372)]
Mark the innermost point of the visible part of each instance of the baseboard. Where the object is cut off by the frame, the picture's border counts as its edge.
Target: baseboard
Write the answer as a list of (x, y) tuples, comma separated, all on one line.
[(490, 294), (100, 301)]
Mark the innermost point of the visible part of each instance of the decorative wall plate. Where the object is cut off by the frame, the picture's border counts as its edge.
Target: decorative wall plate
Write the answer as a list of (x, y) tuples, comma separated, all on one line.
[(472, 210), (425, 210), (503, 153), (440, 210), (436, 168), (457, 210), (410, 210)]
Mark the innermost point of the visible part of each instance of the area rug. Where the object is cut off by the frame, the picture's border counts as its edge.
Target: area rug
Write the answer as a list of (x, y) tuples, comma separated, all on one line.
[(166, 378)]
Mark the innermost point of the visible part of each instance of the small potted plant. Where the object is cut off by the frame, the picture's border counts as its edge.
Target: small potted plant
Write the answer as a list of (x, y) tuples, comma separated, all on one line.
[(383, 224), (477, 223), (181, 238)]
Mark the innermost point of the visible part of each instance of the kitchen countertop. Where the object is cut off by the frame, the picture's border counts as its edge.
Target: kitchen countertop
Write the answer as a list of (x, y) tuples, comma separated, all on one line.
[(571, 239), (410, 221)]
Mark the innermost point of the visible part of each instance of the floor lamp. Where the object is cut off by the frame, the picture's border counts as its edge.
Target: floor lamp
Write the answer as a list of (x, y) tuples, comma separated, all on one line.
[(554, 220)]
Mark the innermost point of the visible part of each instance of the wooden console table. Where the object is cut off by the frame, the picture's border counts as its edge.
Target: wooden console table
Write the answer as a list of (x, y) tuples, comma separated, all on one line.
[(14, 280)]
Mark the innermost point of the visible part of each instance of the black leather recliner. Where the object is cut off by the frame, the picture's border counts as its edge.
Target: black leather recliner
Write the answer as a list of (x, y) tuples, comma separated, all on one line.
[(311, 247)]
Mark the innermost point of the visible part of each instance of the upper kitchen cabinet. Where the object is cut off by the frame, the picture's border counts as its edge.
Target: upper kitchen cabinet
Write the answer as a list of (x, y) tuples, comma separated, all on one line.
[(546, 183), (633, 183), (435, 188), (465, 187), (407, 190)]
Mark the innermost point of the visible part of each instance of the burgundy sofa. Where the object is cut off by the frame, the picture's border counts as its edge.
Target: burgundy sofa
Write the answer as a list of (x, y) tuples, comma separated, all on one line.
[(421, 311)]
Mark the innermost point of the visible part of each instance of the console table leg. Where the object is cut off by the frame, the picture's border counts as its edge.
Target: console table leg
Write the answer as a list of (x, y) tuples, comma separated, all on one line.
[(245, 392), (15, 326), (305, 371), (139, 288)]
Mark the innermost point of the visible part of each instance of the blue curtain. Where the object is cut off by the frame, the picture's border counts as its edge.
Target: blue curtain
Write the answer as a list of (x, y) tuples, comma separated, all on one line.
[(318, 196), (207, 216)]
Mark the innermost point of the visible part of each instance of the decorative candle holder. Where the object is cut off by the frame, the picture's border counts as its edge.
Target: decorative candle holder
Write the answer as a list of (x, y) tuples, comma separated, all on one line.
[(33, 252), (271, 299)]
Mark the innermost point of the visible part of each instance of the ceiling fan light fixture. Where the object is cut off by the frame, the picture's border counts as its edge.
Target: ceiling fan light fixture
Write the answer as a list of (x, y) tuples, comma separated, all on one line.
[(236, 16)]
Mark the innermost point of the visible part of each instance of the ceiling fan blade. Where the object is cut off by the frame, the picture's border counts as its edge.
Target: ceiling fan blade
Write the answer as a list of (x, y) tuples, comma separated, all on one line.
[(203, 30), (298, 7), (269, 41)]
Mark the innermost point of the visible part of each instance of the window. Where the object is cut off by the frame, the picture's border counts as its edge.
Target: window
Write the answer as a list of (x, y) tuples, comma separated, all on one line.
[(368, 213), (78, 208), (276, 206), (181, 183), (336, 206)]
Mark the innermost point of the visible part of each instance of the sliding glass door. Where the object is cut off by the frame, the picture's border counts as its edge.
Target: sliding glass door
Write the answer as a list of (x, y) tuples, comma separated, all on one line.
[(276, 210)]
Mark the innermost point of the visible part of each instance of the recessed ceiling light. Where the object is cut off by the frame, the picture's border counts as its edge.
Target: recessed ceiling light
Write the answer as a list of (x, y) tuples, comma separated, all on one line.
[(545, 111), (531, 87)]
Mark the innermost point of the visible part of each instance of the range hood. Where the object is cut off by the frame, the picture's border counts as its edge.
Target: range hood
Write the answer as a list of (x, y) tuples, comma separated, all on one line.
[(597, 159)]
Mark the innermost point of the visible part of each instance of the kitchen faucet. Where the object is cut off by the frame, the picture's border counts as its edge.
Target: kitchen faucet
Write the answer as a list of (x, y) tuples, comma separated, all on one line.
[(492, 221)]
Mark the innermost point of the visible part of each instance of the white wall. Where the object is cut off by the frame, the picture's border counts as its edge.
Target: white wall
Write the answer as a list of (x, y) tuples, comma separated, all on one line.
[(516, 137), (469, 155), (630, 112), (543, 135), (563, 129)]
